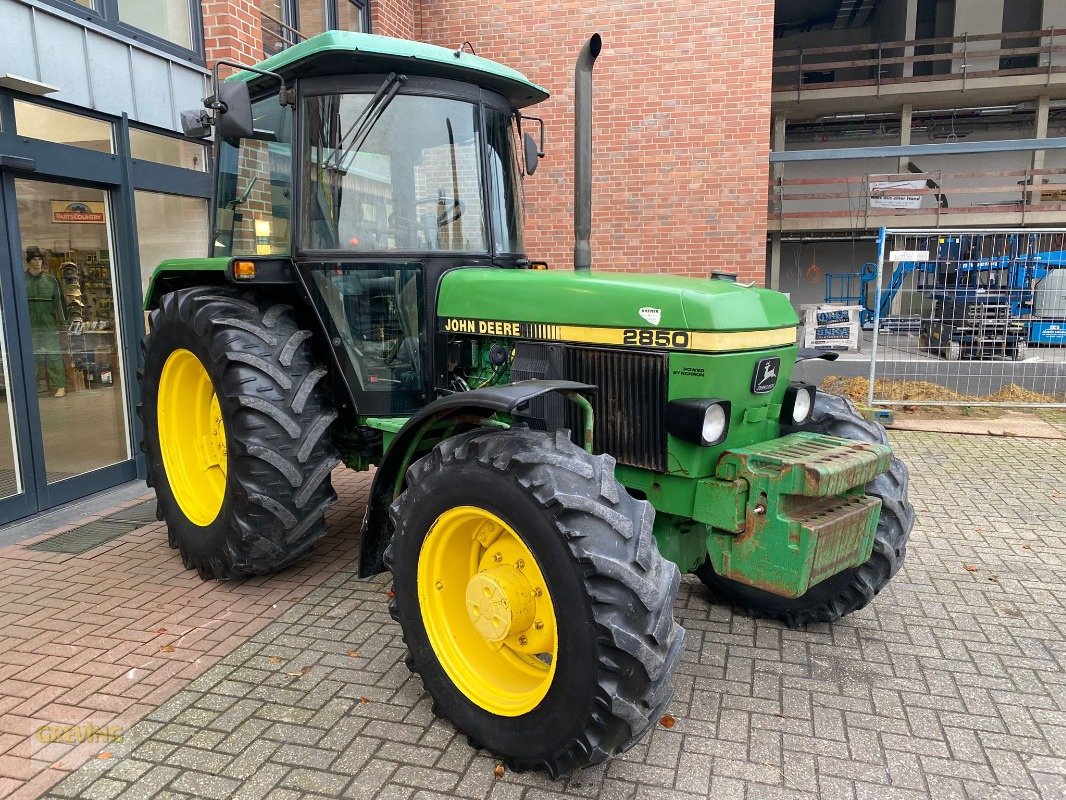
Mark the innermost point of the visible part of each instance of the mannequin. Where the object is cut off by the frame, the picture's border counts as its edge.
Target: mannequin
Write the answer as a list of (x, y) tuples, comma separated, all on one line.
[(46, 319)]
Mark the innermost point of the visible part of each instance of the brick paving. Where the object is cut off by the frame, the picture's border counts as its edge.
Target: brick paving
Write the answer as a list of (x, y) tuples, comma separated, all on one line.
[(102, 638), (951, 685)]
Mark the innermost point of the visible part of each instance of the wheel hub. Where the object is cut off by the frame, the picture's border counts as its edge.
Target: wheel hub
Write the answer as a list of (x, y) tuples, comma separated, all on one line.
[(500, 602), (192, 437), (487, 611)]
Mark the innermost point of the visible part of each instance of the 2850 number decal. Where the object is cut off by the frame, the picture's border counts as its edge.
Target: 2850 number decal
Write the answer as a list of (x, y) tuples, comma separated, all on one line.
[(643, 337)]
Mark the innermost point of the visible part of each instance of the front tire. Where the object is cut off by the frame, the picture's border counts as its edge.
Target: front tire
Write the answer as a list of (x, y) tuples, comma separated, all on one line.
[(236, 432), (534, 603), (853, 588)]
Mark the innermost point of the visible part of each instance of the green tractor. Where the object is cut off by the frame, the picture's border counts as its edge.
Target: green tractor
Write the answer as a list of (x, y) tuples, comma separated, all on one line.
[(552, 447)]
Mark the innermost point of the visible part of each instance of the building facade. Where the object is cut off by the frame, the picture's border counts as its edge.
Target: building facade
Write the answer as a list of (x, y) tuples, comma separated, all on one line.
[(732, 136), (969, 94), (98, 181), (96, 185)]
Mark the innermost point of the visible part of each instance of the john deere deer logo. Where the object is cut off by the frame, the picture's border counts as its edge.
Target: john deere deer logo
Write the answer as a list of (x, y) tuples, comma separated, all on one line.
[(764, 377)]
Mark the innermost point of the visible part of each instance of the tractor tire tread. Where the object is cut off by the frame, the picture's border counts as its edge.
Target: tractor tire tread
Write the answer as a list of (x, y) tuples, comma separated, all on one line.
[(277, 422), (632, 589)]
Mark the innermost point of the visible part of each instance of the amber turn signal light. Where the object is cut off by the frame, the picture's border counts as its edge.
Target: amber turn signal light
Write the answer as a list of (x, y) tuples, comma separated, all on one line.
[(243, 270)]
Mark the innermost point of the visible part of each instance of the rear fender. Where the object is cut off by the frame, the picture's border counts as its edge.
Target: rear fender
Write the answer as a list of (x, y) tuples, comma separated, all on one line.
[(389, 481)]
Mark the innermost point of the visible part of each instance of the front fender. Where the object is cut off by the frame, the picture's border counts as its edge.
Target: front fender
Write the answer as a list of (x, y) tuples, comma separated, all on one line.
[(391, 473)]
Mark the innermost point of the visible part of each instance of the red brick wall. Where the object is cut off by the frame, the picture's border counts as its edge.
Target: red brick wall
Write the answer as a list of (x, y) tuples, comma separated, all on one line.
[(681, 117), (394, 18), (232, 30), (681, 124)]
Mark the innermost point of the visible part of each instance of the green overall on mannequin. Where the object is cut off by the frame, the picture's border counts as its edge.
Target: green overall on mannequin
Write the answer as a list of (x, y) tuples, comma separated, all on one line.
[(46, 318)]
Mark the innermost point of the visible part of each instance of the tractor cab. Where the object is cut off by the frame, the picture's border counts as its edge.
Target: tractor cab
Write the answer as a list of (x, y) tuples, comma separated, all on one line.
[(375, 171)]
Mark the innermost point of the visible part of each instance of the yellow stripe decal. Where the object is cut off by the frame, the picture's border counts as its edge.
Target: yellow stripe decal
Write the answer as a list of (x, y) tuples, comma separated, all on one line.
[(656, 338)]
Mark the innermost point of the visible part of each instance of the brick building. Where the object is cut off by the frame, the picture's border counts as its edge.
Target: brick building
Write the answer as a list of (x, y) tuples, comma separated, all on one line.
[(741, 136), (682, 109), (97, 178)]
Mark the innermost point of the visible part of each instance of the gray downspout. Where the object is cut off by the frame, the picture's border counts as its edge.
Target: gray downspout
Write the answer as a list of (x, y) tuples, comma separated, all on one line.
[(583, 153)]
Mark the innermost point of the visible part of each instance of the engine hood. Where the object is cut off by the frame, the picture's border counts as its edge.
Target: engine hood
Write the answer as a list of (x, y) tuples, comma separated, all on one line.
[(611, 299)]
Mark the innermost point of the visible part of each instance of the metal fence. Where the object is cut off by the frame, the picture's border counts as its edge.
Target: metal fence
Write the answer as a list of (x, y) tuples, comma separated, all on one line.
[(967, 318)]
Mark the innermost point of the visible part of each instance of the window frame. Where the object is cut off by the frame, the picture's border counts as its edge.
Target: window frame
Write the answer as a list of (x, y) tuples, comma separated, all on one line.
[(363, 6), (416, 85), (105, 13), (216, 176), (208, 164), (290, 17), (65, 108), (428, 89)]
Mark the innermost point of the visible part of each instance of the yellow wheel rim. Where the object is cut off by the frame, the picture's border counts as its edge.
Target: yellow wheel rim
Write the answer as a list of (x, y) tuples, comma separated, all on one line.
[(487, 611), (192, 437)]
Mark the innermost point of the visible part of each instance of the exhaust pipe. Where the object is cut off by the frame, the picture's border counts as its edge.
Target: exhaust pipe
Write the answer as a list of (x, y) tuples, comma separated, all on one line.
[(583, 153)]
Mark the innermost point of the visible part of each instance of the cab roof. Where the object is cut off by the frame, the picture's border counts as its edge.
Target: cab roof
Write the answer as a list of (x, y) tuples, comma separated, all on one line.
[(345, 52)]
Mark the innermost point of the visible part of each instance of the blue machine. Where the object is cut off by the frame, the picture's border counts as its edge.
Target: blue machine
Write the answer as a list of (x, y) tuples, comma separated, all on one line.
[(1031, 285)]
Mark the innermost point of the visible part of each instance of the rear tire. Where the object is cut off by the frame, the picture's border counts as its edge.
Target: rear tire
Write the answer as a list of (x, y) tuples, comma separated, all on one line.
[(271, 480), (603, 596), (853, 588)]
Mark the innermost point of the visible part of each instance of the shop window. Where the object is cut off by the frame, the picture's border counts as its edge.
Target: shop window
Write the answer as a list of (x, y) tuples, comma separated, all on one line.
[(169, 226), (168, 150), (71, 310), (170, 20), (62, 127)]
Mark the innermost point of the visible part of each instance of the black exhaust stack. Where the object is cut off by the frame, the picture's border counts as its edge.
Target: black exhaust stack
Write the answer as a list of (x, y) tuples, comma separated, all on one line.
[(583, 153)]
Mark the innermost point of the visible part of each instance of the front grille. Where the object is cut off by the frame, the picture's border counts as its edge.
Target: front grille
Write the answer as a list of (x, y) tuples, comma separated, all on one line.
[(630, 404)]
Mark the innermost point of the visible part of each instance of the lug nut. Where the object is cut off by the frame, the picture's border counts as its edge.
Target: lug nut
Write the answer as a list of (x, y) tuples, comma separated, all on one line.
[(522, 640), (538, 625), (537, 591), (497, 557), (520, 563), (439, 586)]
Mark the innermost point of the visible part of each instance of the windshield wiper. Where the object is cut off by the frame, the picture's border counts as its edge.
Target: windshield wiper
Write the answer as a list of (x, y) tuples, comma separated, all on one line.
[(368, 118), (358, 131)]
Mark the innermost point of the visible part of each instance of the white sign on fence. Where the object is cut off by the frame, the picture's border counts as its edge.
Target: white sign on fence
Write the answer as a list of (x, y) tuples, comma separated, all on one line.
[(895, 201), (908, 255)]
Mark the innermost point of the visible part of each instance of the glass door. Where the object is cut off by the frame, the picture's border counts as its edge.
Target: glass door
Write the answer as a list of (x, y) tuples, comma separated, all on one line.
[(10, 474), (16, 498), (64, 411), (68, 315)]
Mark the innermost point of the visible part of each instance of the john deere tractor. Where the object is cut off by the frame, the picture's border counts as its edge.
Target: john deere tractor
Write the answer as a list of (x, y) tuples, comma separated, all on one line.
[(552, 447)]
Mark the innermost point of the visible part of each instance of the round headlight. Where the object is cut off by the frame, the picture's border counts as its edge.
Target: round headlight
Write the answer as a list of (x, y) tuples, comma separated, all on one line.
[(714, 422), (801, 408)]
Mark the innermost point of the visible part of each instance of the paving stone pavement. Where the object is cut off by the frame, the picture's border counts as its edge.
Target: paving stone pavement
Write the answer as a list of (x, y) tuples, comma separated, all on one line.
[(950, 685), (103, 637)]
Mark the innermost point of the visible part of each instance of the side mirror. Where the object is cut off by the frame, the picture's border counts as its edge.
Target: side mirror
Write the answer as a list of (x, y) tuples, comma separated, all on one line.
[(196, 124), (532, 154), (234, 110), (533, 149)]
